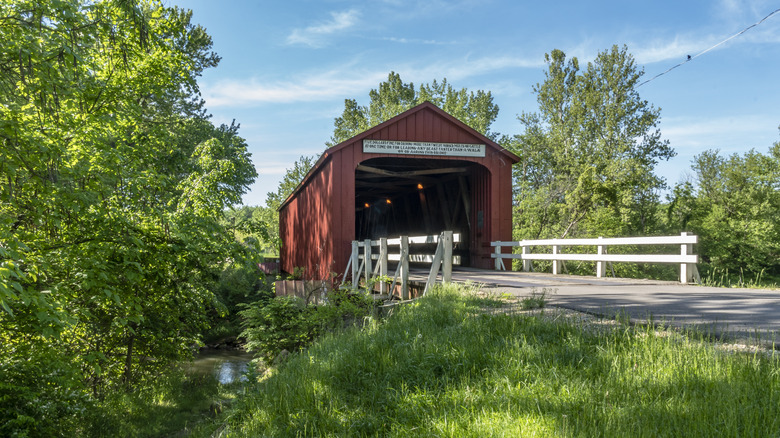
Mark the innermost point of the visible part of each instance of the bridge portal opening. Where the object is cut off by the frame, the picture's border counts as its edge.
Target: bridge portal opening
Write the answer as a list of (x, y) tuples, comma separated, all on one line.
[(411, 196)]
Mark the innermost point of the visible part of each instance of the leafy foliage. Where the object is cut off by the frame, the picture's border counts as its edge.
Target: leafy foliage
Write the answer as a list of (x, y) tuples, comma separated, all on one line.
[(734, 209), (112, 183), (394, 96), (587, 157), (288, 323)]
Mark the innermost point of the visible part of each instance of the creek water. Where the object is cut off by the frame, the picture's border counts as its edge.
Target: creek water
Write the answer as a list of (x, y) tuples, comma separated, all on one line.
[(227, 366)]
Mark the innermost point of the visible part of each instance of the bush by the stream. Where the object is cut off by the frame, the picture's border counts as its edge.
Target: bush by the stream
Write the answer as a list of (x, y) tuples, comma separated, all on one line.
[(288, 323)]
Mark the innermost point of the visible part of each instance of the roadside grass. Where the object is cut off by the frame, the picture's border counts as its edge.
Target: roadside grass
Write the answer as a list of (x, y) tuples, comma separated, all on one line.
[(442, 367), (715, 277)]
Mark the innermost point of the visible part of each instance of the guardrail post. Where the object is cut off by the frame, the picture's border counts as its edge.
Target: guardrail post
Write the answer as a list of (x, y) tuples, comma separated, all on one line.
[(498, 256), (555, 262), (355, 264), (367, 262), (600, 265), (447, 261), (404, 267), (383, 264), (686, 269), (526, 263)]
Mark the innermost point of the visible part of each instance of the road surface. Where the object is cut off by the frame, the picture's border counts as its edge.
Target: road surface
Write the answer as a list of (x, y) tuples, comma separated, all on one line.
[(740, 313)]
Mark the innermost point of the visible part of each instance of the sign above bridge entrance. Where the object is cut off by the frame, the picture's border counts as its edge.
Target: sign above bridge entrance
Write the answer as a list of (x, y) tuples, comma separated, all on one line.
[(423, 148)]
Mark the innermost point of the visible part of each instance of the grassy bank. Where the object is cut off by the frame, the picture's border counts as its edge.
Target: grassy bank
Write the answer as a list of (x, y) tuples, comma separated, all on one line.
[(441, 367)]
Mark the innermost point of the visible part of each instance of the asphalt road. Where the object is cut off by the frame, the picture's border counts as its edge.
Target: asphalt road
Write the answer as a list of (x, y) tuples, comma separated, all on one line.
[(736, 313)]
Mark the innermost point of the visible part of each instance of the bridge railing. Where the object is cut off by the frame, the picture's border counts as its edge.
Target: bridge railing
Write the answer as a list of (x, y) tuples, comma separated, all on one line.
[(686, 258), (361, 261)]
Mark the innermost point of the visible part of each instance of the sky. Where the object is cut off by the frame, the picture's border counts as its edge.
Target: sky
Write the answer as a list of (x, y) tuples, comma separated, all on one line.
[(287, 66)]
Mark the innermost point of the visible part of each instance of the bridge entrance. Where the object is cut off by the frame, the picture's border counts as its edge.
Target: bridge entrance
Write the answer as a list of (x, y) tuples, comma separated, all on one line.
[(412, 196)]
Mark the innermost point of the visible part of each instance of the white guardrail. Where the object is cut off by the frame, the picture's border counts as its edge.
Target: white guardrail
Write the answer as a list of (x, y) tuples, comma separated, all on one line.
[(361, 262), (686, 258)]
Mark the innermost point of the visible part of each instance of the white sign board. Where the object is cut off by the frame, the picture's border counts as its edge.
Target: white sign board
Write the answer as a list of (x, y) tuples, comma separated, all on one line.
[(423, 148)]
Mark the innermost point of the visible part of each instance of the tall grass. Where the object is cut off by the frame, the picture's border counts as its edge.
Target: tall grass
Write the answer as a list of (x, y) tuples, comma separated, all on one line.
[(441, 367), (716, 277)]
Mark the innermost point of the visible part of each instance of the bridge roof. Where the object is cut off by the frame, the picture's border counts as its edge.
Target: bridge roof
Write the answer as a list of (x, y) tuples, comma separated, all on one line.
[(469, 132)]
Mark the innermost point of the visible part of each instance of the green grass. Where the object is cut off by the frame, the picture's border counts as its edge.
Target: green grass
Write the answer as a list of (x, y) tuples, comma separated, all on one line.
[(537, 300), (441, 367), (715, 277), (175, 406)]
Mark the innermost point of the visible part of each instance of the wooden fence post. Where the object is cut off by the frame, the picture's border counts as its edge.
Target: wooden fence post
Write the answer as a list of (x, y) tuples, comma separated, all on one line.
[(383, 264), (367, 262), (404, 267), (447, 261), (355, 264), (600, 265), (498, 256), (686, 269), (526, 263), (555, 262)]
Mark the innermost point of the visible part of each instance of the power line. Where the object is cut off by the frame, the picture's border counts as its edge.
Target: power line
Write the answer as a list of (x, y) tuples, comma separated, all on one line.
[(691, 58)]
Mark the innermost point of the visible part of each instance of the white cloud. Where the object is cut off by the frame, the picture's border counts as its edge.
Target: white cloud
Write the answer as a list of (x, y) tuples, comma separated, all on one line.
[(314, 36), (306, 88), (737, 15), (727, 133), (417, 41), (676, 49), (350, 82)]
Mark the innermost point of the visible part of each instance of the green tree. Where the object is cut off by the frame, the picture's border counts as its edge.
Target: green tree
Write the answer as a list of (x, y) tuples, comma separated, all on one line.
[(113, 181), (734, 210), (393, 97), (588, 156)]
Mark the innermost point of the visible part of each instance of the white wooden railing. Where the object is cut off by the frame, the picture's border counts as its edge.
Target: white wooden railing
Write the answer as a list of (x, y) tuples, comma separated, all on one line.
[(686, 258), (361, 263)]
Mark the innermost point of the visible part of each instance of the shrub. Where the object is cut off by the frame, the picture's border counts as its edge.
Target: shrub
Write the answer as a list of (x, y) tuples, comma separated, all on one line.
[(287, 323), (276, 325)]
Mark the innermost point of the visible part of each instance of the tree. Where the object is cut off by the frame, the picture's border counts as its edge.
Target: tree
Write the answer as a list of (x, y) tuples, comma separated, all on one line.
[(588, 155), (113, 180), (393, 97), (734, 210)]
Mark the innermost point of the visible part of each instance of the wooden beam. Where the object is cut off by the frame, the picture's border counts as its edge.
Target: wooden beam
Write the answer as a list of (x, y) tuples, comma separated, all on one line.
[(464, 192), (412, 173), (445, 207), (426, 212)]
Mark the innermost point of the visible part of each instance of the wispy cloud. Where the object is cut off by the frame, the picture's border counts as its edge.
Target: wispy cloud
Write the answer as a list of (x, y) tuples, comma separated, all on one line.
[(694, 135), (737, 16), (347, 80), (678, 48), (315, 36), (418, 41), (307, 88)]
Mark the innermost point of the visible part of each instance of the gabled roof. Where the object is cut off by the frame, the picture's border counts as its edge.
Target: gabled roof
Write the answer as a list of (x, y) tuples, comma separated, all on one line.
[(406, 114)]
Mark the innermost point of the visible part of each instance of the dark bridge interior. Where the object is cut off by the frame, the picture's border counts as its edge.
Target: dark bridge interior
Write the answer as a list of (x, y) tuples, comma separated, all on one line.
[(412, 196)]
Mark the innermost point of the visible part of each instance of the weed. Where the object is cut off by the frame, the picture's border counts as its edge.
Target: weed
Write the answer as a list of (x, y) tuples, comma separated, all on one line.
[(537, 300)]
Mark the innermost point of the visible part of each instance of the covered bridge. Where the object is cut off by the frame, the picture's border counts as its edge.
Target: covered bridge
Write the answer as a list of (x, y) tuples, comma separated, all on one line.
[(419, 173)]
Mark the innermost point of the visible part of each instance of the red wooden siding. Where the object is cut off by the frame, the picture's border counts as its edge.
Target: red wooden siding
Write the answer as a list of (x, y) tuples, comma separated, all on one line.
[(317, 222)]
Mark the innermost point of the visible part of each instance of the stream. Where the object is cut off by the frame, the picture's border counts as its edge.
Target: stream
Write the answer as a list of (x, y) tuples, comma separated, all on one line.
[(227, 366)]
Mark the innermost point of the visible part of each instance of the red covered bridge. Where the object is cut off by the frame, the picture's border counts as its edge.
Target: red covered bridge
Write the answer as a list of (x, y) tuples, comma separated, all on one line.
[(419, 173)]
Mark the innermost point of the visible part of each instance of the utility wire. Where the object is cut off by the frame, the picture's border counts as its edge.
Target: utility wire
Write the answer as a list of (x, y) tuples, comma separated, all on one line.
[(691, 58)]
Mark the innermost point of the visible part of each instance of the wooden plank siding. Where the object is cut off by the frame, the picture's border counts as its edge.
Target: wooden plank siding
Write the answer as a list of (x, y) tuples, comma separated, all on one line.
[(318, 221)]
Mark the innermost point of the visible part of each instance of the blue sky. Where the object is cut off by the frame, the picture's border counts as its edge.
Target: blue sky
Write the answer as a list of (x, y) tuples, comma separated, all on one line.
[(287, 66)]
